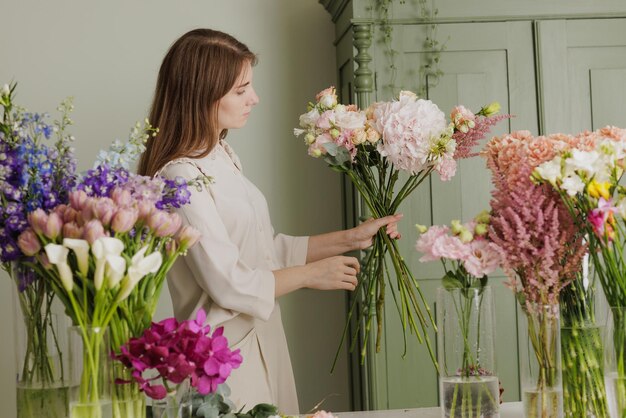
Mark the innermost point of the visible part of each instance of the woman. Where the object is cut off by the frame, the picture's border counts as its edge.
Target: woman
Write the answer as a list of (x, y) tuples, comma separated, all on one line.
[(238, 268)]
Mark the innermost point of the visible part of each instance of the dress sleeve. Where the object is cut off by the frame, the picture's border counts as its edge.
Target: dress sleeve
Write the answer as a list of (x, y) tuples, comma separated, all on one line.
[(215, 260), (291, 251)]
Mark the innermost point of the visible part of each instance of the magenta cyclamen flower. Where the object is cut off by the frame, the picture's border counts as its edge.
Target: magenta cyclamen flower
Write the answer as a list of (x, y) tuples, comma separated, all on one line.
[(179, 351)]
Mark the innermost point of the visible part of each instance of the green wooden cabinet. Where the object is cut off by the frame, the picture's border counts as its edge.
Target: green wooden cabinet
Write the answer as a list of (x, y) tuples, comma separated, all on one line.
[(553, 74)]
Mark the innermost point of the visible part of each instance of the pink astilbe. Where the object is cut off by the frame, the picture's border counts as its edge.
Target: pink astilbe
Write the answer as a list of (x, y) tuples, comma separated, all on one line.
[(466, 141), (540, 244)]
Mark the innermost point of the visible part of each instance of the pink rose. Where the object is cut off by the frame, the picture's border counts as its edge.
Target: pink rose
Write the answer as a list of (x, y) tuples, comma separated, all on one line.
[(327, 98), (463, 119)]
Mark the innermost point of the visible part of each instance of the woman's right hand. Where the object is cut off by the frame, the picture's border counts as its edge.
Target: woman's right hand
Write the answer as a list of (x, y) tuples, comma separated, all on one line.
[(333, 273)]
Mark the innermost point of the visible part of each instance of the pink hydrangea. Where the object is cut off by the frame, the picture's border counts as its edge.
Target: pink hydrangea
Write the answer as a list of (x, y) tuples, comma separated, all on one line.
[(408, 127)]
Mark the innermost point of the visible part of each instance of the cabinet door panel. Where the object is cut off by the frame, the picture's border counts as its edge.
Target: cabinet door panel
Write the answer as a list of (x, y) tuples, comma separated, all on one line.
[(582, 68), (483, 62)]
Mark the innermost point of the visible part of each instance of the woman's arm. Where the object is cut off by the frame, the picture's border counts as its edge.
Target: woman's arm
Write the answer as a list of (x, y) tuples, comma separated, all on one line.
[(332, 273), (357, 238)]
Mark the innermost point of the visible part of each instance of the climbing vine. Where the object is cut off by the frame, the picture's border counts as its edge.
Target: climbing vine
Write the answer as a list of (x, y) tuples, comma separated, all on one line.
[(430, 71)]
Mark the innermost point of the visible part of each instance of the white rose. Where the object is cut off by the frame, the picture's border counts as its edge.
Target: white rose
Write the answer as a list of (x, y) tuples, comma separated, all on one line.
[(350, 120), (308, 120)]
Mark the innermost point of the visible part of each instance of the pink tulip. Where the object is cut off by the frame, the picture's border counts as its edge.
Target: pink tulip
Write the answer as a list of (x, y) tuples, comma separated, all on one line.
[(103, 210), (70, 215), (72, 230), (124, 219), (29, 243), (188, 236), (78, 199), (145, 209), (93, 230), (37, 220), (164, 224), (121, 196), (53, 226)]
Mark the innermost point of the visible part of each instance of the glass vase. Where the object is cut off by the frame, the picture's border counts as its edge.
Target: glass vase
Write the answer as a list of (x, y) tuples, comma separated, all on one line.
[(582, 349), (540, 356), (177, 404), (41, 347), (469, 385), (90, 369), (615, 362), (128, 400)]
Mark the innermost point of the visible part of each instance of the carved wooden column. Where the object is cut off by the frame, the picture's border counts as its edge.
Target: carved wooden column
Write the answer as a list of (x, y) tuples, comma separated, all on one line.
[(363, 80)]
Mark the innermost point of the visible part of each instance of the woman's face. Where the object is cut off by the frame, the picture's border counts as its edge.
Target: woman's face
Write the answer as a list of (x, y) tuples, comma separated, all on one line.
[(234, 108)]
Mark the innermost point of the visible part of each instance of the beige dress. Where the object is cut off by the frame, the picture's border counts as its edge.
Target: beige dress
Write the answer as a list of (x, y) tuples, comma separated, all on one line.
[(229, 274)]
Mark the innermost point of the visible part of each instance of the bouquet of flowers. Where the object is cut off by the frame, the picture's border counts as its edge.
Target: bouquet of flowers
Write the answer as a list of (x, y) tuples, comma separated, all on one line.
[(469, 385), (542, 250), (372, 147), (586, 177), (105, 253), (179, 354), (35, 173)]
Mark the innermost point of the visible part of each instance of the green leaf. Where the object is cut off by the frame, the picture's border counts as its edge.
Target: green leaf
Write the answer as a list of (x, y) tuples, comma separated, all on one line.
[(450, 281)]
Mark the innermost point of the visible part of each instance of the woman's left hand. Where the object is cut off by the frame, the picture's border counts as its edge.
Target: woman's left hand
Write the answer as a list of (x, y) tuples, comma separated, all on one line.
[(362, 234)]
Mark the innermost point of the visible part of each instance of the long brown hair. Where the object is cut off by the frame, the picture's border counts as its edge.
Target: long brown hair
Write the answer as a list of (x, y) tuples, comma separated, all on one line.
[(199, 69)]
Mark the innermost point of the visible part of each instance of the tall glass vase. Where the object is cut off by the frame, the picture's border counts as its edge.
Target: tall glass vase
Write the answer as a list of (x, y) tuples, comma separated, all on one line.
[(90, 369), (41, 348), (128, 400), (582, 350), (469, 385), (540, 372), (615, 362), (177, 403)]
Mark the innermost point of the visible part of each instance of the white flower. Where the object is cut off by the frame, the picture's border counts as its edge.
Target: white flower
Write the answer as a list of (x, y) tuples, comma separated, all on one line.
[(407, 94), (350, 120), (298, 132), (582, 161), (140, 266), (57, 255), (573, 185), (621, 207), (6, 90), (101, 248), (115, 269), (308, 120), (550, 170), (81, 249), (328, 101)]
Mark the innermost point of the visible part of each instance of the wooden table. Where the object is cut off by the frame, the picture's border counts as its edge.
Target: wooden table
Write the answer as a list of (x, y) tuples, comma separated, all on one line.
[(507, 410)]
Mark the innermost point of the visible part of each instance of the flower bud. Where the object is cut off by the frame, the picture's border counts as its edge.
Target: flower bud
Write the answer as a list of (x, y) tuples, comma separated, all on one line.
[(28, 242), (37, 219), (483, 217), (491, 109), (358, 136), (456, 227), (53, 226), (103, 210), (124, 219), (481, 230), (6, 90), (144, 209), (466, 236), (72, 230), (334, 133), (372, 135), (93, 230), (164, 224), (78, 198), (309, 138), (188, 236), (121, 197), (421, 228)]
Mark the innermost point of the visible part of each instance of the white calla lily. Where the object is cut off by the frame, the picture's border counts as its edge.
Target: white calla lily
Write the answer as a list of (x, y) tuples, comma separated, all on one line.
[(81, 249), (140, 266), (115, 269), (101, 248), (57, 255)]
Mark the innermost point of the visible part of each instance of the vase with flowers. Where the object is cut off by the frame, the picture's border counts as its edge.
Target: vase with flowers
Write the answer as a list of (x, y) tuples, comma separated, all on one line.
[(587, 178), (542, 249), (372, 148), (93, 251), (35, 173), (170, 357), (469, 386)]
